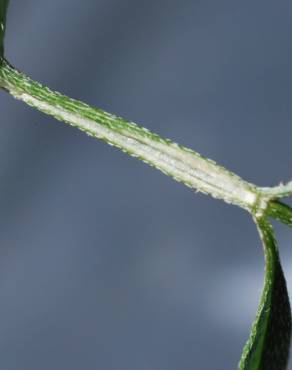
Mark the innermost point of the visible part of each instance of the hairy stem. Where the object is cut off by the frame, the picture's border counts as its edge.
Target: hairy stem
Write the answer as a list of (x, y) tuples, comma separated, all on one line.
[(181, 163), (280, 191)]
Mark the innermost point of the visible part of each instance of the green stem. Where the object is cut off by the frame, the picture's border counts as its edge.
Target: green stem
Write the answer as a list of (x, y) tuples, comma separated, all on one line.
[(181, 163)]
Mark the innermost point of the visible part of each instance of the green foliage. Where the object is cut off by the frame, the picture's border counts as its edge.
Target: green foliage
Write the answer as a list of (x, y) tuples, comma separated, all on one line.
[(3, 10), (269, 342)]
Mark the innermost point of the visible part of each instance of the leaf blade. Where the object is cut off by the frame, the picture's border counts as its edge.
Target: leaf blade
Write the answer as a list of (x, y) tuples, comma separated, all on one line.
[(268, 345), (280, 211), (3, 11)]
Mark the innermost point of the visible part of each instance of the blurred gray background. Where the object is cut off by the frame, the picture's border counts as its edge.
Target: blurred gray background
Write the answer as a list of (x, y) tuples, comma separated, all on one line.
[(106, 264)]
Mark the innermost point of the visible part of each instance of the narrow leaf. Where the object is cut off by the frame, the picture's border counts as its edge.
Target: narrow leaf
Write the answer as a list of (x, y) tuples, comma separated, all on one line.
[(3, 10), (269, 342), (281, 212), (181, 163)]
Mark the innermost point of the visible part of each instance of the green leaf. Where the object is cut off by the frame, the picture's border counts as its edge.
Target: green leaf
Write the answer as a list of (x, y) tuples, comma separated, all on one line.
[(3, 10), (280, 211), (269, 341)]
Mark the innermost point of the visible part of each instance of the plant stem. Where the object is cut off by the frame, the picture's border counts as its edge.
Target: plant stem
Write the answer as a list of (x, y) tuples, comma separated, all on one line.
[(181, 163), (280, 191)]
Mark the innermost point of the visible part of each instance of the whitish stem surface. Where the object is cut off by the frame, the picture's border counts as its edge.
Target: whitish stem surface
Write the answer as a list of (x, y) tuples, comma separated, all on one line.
[(181, 163), (280, 191)]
